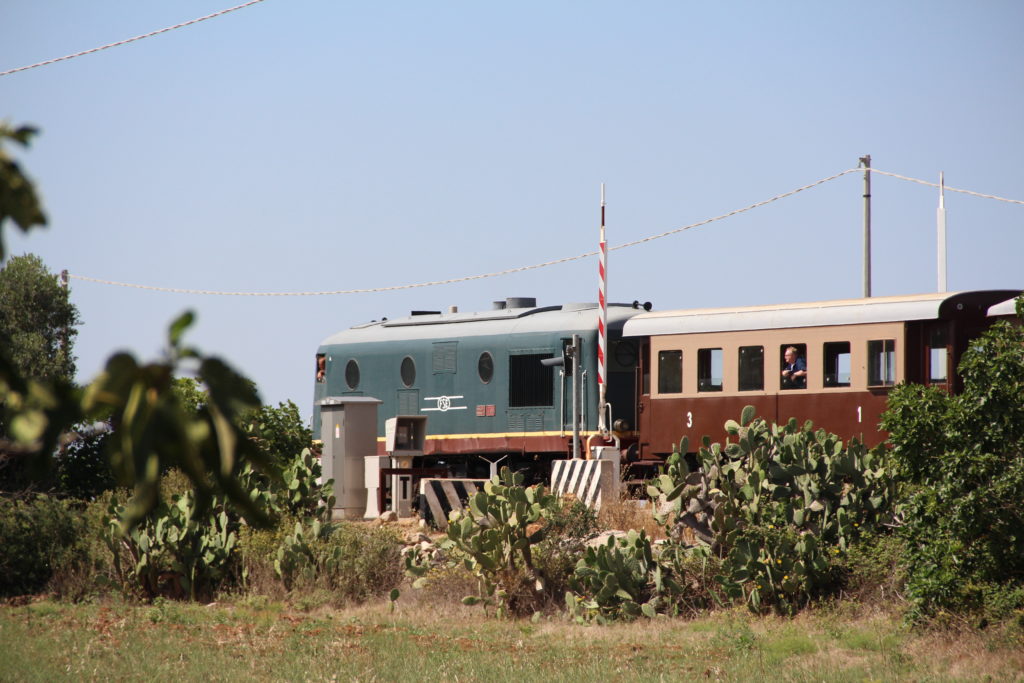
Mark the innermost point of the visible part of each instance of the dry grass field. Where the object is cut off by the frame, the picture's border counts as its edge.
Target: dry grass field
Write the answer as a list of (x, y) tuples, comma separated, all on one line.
[(257, 640)]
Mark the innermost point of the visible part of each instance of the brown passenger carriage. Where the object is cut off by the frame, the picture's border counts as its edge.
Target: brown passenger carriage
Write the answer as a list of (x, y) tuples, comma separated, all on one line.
[(699, 368)]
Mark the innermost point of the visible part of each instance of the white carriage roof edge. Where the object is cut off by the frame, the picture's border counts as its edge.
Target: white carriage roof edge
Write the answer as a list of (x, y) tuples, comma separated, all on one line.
[(1008, 307), (572, 316), (792, 315)]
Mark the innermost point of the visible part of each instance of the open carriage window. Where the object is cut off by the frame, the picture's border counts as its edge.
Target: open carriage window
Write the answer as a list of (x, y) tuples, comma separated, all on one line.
[(882, 362), (709, 369), (793, 358), (938, 356), (837, 364), (321, 368)]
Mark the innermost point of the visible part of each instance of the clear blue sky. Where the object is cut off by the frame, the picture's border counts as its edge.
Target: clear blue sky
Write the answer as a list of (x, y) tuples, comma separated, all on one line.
[(302, 145)]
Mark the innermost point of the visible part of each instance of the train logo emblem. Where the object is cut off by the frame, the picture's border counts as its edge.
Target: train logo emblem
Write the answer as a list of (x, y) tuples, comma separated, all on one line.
[(444, 403)]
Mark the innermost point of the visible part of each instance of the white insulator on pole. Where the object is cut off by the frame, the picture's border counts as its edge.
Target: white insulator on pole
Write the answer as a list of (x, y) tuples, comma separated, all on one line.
[(602, 327)]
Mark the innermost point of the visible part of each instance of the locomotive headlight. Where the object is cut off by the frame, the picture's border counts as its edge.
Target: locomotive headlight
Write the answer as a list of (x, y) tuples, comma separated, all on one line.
[(620, 425)]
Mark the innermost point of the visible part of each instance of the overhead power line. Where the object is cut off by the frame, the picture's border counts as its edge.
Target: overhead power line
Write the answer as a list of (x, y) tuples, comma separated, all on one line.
[(130, 40), (536, 266)]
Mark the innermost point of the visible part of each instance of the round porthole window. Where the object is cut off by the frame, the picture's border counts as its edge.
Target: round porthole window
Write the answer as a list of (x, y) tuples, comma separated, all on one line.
[(485, 367), (408, 371), (352, 374)]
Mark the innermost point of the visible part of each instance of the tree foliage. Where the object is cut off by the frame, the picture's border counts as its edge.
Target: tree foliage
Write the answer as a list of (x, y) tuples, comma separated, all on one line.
[(18, 199), (37, 319), (962, 459), (153, 430), (278, 432)]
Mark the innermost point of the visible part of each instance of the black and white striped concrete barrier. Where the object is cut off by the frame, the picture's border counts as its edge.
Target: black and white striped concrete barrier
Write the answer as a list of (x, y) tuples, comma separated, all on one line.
[(589, 480), (438, 497)]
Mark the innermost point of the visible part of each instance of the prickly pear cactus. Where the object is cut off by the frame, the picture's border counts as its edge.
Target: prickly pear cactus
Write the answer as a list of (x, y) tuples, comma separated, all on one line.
[(619, 579), (778, 504), (496, 533)]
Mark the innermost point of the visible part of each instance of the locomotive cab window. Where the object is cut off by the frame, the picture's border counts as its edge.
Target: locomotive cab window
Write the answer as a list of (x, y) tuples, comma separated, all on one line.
[(751, 362), (837, 364), (882, 362), (670, 372), (793, 359), (709, 369), (321, 368), (530, 384)]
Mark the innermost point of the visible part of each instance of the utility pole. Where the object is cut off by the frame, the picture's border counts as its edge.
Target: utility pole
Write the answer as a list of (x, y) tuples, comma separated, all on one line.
[(941, 228), (865, 163)]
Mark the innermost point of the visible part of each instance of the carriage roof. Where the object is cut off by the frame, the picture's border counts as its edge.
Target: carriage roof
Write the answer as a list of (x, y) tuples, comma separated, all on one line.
[(942, 305)]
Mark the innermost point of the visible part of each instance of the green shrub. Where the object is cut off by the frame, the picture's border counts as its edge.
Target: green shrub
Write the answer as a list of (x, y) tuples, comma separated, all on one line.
[(874, 568), (38, 536), (349, 562), (566, 529), (961, 462)]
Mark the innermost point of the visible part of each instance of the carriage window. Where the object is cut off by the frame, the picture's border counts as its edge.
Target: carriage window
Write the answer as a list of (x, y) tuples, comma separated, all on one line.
[(938, 361), (837, 364), (709, 370), (670, 372), (352, 374), (794, 368), (530, 383), (882, 362), (751, 368)]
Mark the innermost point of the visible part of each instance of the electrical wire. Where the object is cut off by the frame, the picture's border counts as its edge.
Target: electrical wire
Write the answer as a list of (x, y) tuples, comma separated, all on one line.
[(536, 266), (129, 40)]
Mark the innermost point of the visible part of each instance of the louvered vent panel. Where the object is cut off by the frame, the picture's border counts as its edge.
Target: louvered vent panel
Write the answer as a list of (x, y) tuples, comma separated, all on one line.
[(444, 357), (408, 402)]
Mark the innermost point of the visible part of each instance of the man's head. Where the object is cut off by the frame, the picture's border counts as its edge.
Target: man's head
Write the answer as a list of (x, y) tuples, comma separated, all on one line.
[(791, 354)]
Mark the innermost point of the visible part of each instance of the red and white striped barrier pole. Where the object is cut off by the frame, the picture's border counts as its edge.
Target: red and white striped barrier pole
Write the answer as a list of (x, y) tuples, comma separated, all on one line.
[(602, 327)]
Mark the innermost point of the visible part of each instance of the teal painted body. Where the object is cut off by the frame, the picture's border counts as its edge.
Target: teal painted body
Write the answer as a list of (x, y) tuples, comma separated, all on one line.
[(437, 365)]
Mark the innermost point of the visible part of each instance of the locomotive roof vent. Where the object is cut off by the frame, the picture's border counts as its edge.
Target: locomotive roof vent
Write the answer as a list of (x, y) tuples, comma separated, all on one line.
[(520, 302), (498, 306)]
